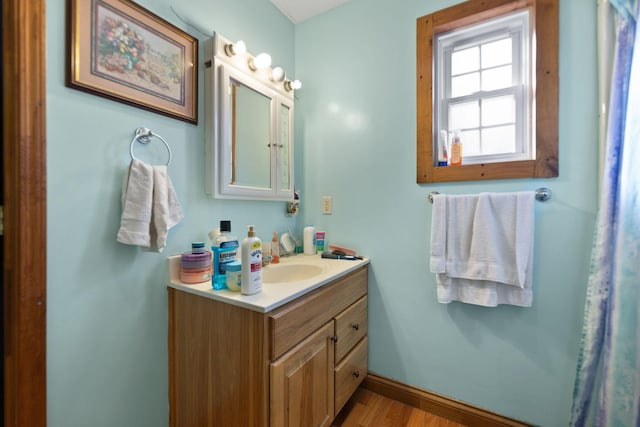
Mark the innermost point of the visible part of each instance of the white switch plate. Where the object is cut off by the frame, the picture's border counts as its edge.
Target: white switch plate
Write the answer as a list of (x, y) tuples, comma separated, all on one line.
[(327, 205)]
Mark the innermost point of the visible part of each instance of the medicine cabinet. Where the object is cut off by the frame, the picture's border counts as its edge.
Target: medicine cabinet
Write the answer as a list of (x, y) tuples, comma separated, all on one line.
[(249, 126)]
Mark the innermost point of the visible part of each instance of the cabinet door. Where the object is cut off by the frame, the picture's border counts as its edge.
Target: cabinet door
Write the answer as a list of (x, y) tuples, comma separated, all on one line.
[(302, 383)]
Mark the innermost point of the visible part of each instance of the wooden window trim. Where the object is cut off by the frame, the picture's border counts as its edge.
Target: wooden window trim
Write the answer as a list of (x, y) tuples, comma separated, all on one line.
[(545, 16)]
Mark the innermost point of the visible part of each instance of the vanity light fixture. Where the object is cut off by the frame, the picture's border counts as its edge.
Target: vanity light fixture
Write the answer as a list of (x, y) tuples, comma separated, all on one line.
[(277, 74), (237, 48), (292, 85), (261, 61)]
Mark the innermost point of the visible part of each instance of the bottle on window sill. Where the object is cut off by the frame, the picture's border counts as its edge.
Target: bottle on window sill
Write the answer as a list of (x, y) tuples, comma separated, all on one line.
[(456, 149), (443, 152)]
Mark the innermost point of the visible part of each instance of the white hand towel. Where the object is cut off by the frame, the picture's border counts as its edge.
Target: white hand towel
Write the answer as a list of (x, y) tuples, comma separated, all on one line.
[(137, 199), (167, 211), (150, 206), (482, 248)]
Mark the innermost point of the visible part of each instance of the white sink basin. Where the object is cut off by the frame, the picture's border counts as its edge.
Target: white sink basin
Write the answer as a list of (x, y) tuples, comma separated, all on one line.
[(279, 273)]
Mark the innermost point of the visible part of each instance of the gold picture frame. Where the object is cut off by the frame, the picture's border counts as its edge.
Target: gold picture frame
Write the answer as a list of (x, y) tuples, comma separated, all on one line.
[(121, 51)]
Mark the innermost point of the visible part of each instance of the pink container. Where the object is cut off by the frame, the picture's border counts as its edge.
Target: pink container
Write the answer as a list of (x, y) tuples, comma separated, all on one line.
[(196, 275)]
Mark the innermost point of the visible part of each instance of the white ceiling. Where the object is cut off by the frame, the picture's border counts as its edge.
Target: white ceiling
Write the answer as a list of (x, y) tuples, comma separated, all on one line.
[(299, 10)]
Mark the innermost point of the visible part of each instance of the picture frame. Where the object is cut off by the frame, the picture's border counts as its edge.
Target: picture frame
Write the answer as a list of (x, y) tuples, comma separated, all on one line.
[(119, 50)]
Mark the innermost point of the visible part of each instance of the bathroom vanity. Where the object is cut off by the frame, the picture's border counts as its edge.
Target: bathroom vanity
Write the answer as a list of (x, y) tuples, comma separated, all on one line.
[(291, 355)]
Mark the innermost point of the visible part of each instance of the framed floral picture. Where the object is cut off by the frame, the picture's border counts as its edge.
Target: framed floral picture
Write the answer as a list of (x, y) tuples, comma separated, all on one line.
[(119, 50)]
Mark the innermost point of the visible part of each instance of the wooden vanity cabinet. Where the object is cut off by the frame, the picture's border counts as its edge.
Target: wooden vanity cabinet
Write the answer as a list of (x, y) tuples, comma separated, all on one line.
[(296, 365)]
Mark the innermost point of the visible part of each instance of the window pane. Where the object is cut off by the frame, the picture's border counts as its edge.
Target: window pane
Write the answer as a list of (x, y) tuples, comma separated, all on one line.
[(498, 110), (465, 84), (499, 140), (464, 115), (466, 60), (470, 143), (496, 53), (497, 78)]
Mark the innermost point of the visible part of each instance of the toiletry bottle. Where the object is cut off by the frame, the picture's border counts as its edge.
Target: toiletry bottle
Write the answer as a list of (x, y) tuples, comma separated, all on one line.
[(197, 248), (275, 249), (320, 239), (225, 250), (251, 281), (309, 240), (234, 276), (443, 152), (456, 149)]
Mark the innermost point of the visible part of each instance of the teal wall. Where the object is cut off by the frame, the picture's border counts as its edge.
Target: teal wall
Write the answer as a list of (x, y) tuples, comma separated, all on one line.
[(356, 124), (355, 130), (107, 302)]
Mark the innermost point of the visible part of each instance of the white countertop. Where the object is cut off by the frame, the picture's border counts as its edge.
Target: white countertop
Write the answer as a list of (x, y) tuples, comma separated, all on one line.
[(274, 294)]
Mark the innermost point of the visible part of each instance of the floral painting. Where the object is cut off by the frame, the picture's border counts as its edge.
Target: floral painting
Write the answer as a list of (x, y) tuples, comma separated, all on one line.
[(133, 56), (128, 52)]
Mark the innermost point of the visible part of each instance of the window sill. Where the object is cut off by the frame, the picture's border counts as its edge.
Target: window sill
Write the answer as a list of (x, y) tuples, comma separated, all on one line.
[(486, 171)]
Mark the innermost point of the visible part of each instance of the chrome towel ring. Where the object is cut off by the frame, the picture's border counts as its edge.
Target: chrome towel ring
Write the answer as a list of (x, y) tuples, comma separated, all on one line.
[(143, 135)]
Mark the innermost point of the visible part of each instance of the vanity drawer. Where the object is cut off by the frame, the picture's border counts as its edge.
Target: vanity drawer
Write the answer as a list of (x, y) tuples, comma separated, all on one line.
[(349, 373), (295, 321), (351, 326)]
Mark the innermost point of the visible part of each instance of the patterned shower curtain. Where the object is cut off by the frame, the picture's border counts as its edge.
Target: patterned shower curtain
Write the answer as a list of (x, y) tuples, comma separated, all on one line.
[(607, 385)]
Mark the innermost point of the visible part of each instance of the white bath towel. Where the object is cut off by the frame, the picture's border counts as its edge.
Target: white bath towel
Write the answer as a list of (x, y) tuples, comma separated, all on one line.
[(482, 247), (149, 206)]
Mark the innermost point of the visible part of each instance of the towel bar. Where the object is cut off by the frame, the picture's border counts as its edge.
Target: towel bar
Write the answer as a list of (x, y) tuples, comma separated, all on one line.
[(542, 194), (142, 135)]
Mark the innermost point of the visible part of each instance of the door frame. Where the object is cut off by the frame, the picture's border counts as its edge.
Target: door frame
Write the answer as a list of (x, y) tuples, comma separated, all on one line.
[(24, 157)]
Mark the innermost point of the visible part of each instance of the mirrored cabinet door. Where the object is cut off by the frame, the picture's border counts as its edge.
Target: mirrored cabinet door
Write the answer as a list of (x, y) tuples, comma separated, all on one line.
[(250, 143)]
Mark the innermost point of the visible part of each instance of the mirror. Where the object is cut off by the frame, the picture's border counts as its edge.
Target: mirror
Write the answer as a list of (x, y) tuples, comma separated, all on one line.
[(251, 136), (249, 129)]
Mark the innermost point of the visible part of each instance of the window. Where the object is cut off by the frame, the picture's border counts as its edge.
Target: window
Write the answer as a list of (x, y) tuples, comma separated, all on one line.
[(482, 90), (479, 74)]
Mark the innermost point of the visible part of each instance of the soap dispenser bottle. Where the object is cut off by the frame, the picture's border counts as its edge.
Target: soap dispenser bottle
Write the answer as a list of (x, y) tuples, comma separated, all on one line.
[(251, 250)]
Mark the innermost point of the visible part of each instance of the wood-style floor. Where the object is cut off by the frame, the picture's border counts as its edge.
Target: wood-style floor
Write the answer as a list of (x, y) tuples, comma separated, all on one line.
[(369, 409)]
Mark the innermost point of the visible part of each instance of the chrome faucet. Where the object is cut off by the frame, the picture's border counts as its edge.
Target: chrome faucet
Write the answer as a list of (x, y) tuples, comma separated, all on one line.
[(266, 260)]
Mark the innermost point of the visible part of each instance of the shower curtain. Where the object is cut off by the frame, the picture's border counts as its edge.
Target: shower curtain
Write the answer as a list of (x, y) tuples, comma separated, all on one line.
[(607, 385)]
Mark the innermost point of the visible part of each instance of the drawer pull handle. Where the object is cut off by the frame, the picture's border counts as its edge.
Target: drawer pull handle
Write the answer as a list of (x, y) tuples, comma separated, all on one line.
[(355, 326), (334, 338), (356, 373)]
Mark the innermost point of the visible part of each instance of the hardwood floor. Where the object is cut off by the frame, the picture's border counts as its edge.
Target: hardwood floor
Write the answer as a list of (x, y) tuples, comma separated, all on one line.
[(369, 409)]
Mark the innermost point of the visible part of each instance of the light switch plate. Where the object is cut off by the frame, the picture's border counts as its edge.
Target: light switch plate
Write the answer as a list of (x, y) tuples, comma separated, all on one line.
[(327, 205)]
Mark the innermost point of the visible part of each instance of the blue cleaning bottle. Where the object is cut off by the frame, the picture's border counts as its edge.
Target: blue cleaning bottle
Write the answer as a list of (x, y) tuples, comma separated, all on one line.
[(225, 251)]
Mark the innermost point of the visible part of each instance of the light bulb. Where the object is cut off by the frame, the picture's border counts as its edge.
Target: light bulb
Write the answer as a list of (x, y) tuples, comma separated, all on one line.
[(292, 85), (261, 61), (237, 48), (277, 74), (240, 47)]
